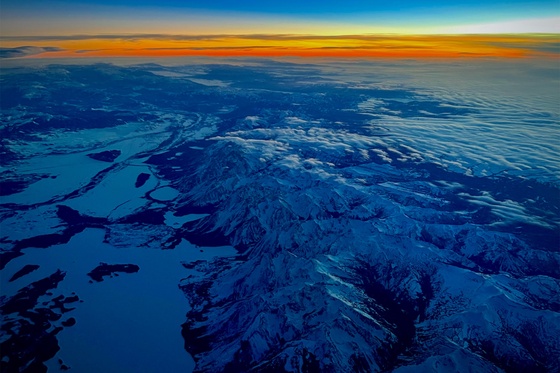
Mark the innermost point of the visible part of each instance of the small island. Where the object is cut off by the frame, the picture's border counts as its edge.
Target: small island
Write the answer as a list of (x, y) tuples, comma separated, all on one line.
[(141, 179), (106, 156), (104, 269)]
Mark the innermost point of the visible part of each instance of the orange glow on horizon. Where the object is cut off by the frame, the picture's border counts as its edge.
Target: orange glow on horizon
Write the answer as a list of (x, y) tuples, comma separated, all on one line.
[(343, 46)]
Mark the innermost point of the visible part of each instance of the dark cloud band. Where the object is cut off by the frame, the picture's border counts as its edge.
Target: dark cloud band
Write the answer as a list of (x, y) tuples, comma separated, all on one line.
[(25, 51)]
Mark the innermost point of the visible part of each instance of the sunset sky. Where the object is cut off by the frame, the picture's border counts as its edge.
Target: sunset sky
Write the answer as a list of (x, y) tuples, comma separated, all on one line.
[(306, 28)]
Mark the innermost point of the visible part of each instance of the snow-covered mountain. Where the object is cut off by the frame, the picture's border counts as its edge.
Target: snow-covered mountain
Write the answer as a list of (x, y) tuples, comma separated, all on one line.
[(353, 264), (335, 217)]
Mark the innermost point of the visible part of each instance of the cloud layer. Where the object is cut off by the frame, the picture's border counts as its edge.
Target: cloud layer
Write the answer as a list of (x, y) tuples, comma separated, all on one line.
[(276, 45)]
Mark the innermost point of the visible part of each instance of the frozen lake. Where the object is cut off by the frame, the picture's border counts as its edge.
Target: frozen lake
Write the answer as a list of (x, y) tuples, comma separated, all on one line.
[(130, 322)]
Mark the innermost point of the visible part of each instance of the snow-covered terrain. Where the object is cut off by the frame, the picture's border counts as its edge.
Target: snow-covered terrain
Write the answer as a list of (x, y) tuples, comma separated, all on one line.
[(333, 217)]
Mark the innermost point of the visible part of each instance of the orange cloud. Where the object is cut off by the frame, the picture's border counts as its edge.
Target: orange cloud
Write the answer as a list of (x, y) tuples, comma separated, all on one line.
[(347, 46)]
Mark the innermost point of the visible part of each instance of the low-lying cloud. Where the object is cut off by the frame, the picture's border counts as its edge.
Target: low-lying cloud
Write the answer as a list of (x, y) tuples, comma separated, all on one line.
[(25, 51)]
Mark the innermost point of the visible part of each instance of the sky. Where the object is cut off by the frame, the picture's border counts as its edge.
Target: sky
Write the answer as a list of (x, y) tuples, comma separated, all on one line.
[(305, 28)]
